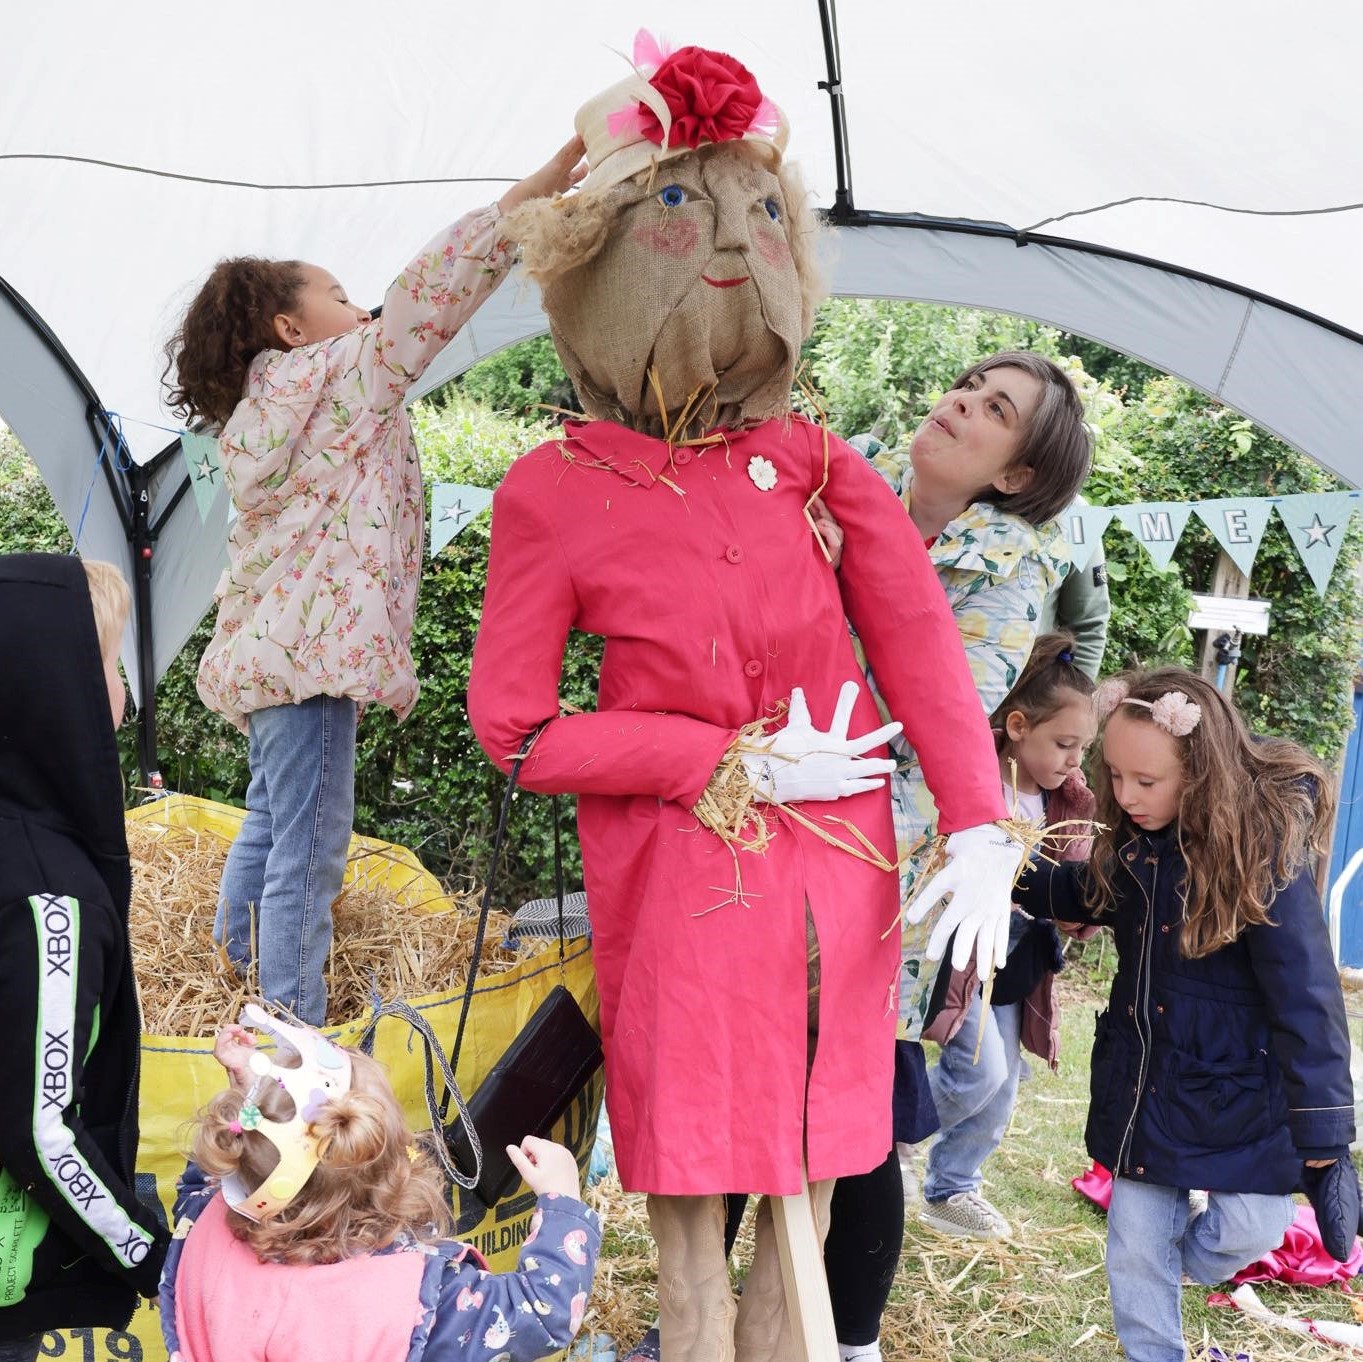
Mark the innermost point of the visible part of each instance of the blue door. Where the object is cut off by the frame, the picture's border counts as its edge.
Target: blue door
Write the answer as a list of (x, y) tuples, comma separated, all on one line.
[(1348, 841)]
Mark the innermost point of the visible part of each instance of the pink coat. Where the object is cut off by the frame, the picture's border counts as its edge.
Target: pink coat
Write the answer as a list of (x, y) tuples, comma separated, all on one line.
[(715, 601)]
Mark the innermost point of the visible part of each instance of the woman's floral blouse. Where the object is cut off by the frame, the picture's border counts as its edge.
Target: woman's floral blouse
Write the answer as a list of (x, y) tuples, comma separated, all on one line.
[(996, 570), (324, 557)]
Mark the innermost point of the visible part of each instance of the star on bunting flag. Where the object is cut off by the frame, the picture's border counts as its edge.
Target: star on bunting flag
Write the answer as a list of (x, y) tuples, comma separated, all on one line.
[(453, 506), (1317, 523), (205, 469)]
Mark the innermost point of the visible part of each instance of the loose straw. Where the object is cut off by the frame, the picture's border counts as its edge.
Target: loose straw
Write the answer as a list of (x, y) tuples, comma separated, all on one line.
[(384, 940)]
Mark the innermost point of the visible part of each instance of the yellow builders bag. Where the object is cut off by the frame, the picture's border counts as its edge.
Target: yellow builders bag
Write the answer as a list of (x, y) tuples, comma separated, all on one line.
[(180, 1075)]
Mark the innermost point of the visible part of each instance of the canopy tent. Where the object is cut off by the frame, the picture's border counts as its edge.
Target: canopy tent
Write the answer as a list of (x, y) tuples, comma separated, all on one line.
[(1182, 182)]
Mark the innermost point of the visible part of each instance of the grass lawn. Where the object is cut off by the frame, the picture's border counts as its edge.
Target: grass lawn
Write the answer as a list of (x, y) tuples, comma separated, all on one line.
[(1038, 1297)]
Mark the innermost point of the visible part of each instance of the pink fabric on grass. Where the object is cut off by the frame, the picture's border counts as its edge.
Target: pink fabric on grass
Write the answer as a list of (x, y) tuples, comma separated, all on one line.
[(1095, 1183), (1301, 1259)]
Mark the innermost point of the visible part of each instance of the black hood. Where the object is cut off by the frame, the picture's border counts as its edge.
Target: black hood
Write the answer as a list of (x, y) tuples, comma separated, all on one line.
[(58, 755)]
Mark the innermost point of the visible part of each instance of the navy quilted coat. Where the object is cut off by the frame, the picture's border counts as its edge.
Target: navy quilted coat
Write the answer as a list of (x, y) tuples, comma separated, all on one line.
[(1221, 1073)]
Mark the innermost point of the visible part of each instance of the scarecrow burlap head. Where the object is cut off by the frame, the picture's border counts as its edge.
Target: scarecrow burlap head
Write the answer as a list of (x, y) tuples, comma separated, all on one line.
[(680, 281)]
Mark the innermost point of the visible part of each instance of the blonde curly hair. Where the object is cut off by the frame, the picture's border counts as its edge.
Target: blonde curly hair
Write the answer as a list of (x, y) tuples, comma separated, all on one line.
[(373, 1179)]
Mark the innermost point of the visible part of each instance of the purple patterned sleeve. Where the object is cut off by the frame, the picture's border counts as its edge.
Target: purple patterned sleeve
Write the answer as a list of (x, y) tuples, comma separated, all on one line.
[(530, 1313)]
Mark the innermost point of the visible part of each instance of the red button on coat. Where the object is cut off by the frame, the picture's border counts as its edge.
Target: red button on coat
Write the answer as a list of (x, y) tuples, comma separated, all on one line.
[(681, 457), (734, 554), (752, 667)]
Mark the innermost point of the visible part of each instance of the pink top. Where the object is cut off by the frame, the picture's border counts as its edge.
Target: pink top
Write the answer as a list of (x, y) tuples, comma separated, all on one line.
[(230, 1305), (325, 555)]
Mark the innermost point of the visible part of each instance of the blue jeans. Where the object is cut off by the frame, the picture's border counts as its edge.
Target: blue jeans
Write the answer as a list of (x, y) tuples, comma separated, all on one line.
[(285, 868), (974, 1101), (20, 1349), (1152, 1245)]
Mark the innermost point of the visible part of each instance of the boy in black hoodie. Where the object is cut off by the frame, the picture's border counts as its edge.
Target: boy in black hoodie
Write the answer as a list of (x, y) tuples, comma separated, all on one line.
[(76, 1246)]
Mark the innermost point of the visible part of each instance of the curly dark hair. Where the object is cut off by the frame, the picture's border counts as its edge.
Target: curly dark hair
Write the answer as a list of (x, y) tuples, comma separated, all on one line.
[(226, 326)]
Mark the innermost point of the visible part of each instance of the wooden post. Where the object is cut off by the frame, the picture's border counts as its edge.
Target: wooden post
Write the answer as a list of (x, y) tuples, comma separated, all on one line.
[(802, 1273), (1227, 580)]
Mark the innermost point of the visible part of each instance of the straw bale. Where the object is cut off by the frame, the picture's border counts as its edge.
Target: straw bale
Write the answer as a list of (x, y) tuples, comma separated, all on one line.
[(381, 943)]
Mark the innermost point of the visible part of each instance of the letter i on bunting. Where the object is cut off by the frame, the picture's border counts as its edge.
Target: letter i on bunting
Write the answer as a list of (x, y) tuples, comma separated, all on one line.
[(1084, 526), (205, 469), (1158, 525), (453, 506), (1318, 522)]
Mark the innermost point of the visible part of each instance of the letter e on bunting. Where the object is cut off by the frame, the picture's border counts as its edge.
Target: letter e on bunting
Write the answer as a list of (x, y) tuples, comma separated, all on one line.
[(1238, 524)]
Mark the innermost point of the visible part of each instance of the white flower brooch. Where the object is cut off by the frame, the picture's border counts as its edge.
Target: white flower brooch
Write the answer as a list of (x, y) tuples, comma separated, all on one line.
[(762, 472)]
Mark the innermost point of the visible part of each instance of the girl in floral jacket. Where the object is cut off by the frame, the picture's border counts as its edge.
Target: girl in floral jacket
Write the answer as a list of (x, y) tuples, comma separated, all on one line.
[(315, 608)]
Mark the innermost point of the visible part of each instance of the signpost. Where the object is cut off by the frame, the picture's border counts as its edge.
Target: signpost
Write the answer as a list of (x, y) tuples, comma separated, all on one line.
[(1227, 614)]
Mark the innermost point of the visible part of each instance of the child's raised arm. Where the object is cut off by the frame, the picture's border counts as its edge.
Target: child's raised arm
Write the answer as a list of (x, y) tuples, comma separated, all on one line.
[(447, 282)]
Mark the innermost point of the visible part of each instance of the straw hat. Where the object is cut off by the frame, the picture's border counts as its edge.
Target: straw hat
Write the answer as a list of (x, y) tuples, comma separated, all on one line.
[(672, 104)]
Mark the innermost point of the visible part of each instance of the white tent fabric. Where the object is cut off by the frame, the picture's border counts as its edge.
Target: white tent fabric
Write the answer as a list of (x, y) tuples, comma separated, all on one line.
[(1226, 134)]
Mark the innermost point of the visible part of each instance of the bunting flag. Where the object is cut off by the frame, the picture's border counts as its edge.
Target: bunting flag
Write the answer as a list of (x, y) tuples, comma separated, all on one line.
[(453, 506), (1238, 524), (1158, 525), (205, 469), (1084, 526), (1317, 522)]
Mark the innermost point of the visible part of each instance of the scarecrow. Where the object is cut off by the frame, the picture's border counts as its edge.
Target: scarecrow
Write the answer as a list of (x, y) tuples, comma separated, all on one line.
[(738, 855)]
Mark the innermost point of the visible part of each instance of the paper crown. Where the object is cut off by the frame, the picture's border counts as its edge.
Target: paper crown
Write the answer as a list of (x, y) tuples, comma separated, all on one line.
[(322, 1073), (672, 104)]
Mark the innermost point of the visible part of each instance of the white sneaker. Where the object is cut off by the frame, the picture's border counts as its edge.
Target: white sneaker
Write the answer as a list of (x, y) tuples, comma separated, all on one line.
[(966, 1214)]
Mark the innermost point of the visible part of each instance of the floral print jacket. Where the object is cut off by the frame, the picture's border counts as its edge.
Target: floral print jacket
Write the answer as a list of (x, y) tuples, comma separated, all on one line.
[(996, 570), (324, 557)]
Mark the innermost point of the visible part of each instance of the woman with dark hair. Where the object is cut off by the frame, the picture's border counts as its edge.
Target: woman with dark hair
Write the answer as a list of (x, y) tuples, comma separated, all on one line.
[(996, 459)]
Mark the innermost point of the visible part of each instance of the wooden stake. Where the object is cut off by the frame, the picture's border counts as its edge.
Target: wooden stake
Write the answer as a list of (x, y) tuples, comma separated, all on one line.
[(1227, 580), (802, 1273)]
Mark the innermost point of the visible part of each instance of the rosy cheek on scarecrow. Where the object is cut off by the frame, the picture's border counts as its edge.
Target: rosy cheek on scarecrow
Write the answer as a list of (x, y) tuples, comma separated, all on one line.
[(773, 245), (676, 238)]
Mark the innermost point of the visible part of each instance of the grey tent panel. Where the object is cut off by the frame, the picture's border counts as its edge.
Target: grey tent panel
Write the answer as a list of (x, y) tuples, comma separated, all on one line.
[(1292, 374), (46, 402)]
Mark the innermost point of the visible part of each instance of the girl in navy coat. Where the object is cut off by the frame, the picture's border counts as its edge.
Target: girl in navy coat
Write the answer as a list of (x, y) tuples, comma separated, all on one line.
[(1222, 1061)]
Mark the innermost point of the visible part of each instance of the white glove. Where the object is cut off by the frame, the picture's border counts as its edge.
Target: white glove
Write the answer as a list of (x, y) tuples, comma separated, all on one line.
[(800, 762), (979, 878)]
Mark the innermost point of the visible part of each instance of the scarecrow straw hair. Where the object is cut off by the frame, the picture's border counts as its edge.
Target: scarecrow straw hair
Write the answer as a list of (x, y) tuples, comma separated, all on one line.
[(382, 942)]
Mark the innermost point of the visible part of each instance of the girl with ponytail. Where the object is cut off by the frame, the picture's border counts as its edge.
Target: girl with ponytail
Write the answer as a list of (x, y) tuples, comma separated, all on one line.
[(313, 1224)]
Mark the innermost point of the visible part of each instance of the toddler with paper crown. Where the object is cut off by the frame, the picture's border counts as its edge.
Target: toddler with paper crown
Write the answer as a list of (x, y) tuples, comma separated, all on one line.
[(320, 1231)]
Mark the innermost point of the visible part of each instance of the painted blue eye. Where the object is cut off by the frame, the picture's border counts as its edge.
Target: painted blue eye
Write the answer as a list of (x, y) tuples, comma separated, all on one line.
[(773, 210), (673, 196)]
